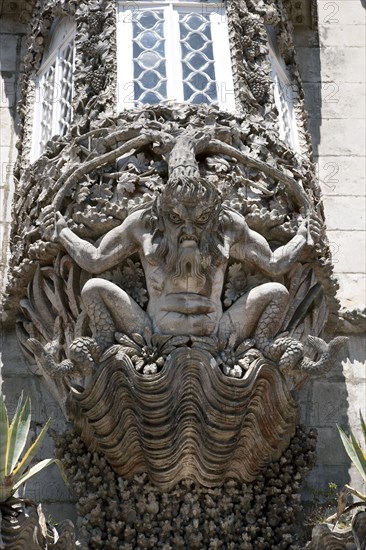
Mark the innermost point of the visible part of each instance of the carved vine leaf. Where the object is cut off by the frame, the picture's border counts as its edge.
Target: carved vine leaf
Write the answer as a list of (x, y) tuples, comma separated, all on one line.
[(240, 281), (236, 284), (131, 278)]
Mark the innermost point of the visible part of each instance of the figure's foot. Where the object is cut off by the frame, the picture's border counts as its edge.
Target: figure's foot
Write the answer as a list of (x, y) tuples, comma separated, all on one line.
[(85, 352)]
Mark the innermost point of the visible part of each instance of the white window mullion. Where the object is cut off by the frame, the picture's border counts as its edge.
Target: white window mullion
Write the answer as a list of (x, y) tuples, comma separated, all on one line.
[(173, 54), (208, 69), (56, 108), (125, 86), (223, 70)]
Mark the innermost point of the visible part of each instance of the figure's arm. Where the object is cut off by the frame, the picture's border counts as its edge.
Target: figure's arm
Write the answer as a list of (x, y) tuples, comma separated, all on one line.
[(115, 246), (252, 248)]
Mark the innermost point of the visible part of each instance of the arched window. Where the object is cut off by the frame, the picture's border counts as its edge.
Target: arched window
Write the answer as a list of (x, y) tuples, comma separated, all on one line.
[(54, 88), (284, 94), (173, 50)]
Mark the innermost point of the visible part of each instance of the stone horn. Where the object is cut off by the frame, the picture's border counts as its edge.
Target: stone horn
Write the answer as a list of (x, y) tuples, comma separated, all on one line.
[(182, 160)]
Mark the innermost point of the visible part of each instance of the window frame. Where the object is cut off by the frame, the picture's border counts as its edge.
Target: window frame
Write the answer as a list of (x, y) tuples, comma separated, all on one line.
[(55, 57), (283, 90), (172, 8)]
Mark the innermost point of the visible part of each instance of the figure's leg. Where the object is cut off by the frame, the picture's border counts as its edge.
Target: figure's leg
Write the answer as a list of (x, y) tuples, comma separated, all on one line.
[(258, 314), (111, 309)]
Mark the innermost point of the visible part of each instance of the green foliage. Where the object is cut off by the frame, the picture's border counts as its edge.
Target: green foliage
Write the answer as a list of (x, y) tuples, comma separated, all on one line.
[(354, 449), (14, 470)]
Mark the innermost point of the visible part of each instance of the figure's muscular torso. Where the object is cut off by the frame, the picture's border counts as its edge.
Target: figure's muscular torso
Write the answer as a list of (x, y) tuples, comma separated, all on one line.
[(181, 304)]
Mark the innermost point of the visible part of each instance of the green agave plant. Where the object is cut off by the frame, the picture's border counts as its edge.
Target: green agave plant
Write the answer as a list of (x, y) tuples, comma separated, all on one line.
[(14, 471), (354, 449)]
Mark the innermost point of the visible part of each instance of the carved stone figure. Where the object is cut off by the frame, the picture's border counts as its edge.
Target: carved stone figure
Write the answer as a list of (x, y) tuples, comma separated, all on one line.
[(185, 238)]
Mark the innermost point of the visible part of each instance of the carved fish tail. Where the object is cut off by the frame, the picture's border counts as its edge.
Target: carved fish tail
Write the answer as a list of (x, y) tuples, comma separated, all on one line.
[(287, 352), (330, 355), (85, 353)]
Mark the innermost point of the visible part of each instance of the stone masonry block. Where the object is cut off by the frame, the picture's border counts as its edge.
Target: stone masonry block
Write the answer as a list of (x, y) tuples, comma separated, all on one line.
[(7, 90), (333, 35), (48, 485), (342, 64), (9, 26), (348, 251), (12, 361), (335, 100), (317, 481), (330, 450), (309, 64), (340, 12), (8, 47), (341, 175), (341, 137), (357, 402), (58, 512), (353, 366), (352, 291), (337, 64), (337, 212), (6, 127), (328, 405)]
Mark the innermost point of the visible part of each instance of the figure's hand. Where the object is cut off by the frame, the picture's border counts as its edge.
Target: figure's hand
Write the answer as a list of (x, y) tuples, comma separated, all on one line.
[(52, 223), (310, 229)]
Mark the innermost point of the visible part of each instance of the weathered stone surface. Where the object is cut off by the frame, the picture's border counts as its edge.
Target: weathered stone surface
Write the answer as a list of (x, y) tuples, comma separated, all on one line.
[(131, 514), (336, 209), (348, 250), (333, 14), (338, 64), (340, 175), (187, 422), (341, 137)]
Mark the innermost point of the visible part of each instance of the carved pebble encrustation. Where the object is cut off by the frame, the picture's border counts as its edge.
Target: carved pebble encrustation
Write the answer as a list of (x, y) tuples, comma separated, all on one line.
[(188, 421)]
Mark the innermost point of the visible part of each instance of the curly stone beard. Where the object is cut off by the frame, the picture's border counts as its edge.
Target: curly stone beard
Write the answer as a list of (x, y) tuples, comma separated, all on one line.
[(196, 261)]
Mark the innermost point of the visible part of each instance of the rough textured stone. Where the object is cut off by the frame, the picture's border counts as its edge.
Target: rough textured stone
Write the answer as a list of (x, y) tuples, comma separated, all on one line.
[(136, 514)]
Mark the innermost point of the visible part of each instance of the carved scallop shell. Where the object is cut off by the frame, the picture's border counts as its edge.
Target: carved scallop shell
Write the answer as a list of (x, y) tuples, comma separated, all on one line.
[(187, 421), (328, 537), (29, 531)]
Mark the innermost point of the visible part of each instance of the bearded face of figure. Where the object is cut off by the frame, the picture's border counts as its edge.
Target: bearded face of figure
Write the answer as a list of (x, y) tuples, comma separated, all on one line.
[(187, 232)]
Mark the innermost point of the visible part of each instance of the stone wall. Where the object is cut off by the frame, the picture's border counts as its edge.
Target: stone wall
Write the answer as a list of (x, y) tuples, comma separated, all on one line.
[(332, 71), (332, 66), (15, 375), (12, 51)]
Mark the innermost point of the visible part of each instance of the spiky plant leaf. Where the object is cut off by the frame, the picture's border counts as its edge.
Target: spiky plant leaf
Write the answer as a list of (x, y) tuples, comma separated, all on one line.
[(38, 468), (33, 449), (4, 432), (18, 433), (363, 426), (354, 451)]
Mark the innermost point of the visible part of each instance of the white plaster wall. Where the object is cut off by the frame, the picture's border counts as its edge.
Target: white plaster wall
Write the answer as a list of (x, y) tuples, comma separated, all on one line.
[(333, 74), (15, 375), (12, 51)]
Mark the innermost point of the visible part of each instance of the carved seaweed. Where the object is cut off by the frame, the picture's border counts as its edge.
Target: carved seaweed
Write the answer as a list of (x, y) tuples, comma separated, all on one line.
[(194, 411)]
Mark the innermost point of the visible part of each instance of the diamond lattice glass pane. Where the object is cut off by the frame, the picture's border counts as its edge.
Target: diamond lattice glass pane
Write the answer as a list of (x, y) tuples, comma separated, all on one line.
[(66, 81), (149, 56), (199, 81), (47, 104)]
